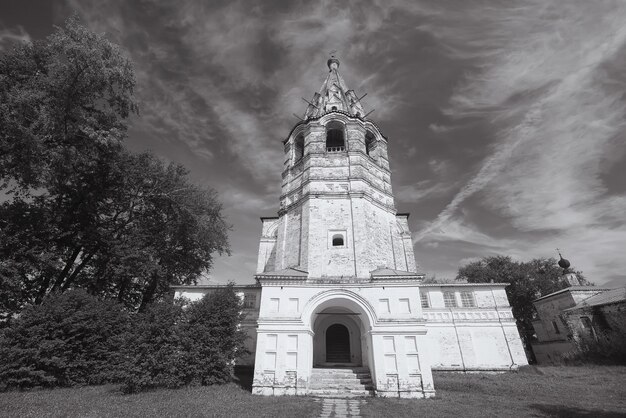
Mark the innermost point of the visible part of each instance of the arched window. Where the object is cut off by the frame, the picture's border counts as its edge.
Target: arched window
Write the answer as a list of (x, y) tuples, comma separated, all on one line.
[(338, 240), (333, 108), (334, 137), (298, 149), (370, 142)]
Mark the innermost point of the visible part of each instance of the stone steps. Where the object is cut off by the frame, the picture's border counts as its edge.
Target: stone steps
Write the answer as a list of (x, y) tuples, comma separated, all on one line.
[(341, 382)]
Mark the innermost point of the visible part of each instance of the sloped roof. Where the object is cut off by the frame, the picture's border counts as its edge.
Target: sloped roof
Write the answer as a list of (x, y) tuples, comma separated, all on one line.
[(572, 289), (604, 298), (291, 272)]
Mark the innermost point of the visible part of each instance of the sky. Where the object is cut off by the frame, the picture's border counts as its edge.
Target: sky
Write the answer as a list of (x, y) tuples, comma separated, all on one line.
[(505, 120)]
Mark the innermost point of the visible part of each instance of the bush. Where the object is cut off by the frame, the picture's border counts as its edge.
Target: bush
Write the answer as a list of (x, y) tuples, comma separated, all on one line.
[(608, 349), (172, 346), (154, 350), (70, 339), (215, 336)]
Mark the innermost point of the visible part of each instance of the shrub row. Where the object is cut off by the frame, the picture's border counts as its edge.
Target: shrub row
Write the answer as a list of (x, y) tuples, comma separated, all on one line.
[(76, 339)]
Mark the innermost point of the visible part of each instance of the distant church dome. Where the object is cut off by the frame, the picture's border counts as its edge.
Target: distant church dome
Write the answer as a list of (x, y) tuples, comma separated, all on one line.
[(563, 263)]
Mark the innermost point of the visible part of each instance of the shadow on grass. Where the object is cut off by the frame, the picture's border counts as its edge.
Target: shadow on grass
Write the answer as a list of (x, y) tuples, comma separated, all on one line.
[(574, 412), (244, 376)]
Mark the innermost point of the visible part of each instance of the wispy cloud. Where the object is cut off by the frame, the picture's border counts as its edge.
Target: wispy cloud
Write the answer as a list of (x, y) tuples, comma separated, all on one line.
[(11, 36), (421, 190), (543, 78)]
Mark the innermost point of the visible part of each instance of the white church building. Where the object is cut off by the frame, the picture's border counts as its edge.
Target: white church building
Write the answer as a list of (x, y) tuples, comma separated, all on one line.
[(339, 305)]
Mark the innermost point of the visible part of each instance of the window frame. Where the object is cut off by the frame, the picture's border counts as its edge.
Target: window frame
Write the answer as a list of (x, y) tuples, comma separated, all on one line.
[(298, 151), (339, 127), (445, 302), (332, 234), (370, 143), (247, 298), (472, 299)]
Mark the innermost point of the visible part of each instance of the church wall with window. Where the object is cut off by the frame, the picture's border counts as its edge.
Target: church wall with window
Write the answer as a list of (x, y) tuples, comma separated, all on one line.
[(470, 327), (460, 338)]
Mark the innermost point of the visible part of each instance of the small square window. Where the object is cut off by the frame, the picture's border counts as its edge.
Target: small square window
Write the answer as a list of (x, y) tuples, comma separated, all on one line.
[(449, 300), (337, 239), (467, 300)]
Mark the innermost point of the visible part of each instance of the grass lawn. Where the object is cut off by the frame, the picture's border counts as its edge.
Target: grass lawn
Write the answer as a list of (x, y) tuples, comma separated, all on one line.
[(547, 391), (107, 401), (589, 391)]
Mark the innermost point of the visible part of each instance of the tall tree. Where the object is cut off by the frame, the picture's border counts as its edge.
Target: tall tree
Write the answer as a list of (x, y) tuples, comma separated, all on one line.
[(527, 282), (81, 210)]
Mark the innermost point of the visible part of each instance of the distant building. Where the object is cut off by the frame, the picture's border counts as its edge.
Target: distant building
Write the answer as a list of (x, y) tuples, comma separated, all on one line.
[(599, 322), (339, 305), (578, 316)]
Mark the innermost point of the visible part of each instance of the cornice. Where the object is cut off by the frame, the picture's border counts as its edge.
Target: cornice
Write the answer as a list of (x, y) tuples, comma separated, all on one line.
[(345, 115)]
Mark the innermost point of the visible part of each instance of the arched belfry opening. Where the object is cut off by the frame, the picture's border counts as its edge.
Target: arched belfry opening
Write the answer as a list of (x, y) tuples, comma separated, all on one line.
[(370, 142), (335, 137), (298, 148)]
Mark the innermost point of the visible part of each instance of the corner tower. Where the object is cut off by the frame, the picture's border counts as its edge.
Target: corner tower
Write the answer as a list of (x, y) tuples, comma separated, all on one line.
[(337, 218)]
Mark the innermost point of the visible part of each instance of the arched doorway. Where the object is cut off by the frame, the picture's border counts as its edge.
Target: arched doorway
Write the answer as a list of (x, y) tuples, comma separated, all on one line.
[(338, 338), (337, 344)]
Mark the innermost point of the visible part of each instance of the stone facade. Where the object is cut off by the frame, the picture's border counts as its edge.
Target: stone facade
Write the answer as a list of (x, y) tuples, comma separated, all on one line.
[(600, 326), (337, 282), (579, 316)]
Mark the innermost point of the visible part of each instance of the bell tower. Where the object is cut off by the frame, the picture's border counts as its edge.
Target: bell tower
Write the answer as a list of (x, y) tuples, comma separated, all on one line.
[(337, 218), (339, 283)]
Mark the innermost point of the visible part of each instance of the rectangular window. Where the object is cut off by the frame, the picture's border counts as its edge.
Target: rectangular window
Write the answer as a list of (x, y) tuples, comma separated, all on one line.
[(467, 300), (556, 327), (424, 300), (449, 299), (249, 301)]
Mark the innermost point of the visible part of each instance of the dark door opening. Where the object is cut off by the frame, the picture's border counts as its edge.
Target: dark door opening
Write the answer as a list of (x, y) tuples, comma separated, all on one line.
[(337, 344)]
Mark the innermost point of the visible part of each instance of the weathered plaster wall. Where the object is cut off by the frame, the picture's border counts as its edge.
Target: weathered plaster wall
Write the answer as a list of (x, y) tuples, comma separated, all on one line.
[(348, 192), (267, 247), (481, 337), (549, 310), (605, 326)]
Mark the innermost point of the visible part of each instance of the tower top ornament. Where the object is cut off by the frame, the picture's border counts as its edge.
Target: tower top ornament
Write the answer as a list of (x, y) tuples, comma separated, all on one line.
[(333, 62)]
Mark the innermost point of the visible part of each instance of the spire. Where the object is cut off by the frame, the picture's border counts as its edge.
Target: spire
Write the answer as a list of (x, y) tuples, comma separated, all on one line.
[(334, 95)]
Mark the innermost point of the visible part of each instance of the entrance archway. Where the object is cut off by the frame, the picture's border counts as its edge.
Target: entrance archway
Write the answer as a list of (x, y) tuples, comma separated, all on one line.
[(337, 344), (348, 309), (337, 338)]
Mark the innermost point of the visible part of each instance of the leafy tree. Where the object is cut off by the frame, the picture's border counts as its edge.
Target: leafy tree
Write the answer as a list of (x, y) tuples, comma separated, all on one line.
[(171, 346), (70, 339), (154, 353), (82, 211), (63, 106), (216, 336), (527, 282)]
